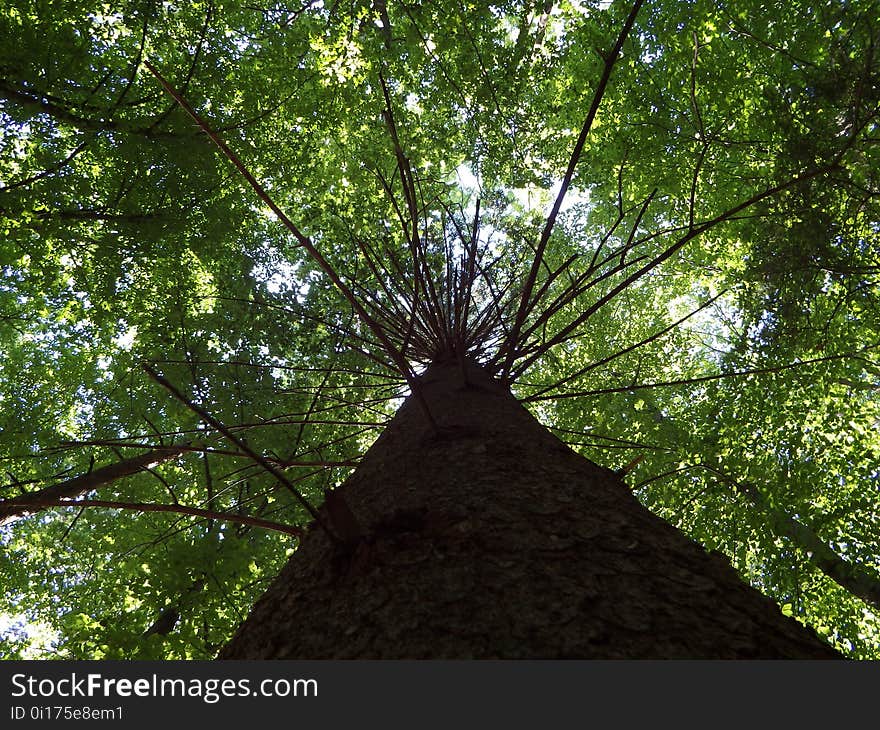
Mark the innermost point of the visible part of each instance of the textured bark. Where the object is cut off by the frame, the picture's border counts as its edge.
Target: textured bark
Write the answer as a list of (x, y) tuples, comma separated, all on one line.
[(490, 538)]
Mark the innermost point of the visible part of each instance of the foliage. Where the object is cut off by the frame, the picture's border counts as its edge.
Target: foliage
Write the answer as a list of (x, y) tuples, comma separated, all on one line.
[(731, 164)]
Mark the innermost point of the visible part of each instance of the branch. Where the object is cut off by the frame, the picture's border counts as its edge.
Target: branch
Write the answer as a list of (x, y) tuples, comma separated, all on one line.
[(304, 241), (852, 578), (667, 253), (526, 301), (178, 508), (206, 450), (25, 504), (258, 458), (690, 381), (56, 108), (641, 343), (51, 170)]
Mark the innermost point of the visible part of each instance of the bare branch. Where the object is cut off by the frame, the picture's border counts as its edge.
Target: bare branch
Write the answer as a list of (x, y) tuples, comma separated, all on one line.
[(258, 458), (526, 300), (691, 381), (641, 343), (177, 508), (305, 242), (691, 234), (30, 502)]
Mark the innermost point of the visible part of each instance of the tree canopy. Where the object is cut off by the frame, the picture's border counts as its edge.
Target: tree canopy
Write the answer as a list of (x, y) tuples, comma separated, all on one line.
[(233, 234)]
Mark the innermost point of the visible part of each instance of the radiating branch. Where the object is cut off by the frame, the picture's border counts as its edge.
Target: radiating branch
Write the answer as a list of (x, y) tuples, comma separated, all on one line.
[(258, 458), (693, 381), (175, 508), (527, 303), (305, 242), (667, 253), (619, 353), (30, 502)]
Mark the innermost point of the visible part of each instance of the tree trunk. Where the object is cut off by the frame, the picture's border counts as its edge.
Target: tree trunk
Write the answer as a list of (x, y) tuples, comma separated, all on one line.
[(490, 538)]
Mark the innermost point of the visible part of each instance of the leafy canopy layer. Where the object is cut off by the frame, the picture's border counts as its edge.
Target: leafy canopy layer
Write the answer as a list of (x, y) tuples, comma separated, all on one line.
[(699, 307)]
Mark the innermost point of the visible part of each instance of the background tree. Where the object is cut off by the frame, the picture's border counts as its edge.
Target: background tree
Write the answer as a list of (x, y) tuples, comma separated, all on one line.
[(688, 279)]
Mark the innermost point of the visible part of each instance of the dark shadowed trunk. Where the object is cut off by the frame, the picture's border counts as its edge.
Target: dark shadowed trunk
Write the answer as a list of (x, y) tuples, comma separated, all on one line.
[(490, 538)]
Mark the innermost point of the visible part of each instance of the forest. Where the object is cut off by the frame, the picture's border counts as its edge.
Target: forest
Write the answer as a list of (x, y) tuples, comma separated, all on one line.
[(245, 243)]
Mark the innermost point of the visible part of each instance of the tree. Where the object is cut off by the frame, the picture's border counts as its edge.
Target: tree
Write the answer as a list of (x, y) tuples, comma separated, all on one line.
[(237, 237)]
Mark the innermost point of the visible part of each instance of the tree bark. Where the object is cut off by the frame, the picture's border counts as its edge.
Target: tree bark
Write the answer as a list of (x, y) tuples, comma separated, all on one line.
[(487, 537)]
